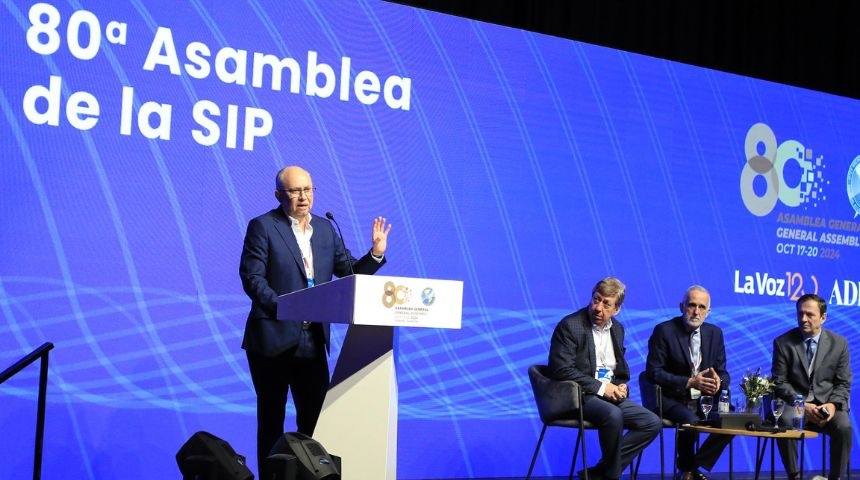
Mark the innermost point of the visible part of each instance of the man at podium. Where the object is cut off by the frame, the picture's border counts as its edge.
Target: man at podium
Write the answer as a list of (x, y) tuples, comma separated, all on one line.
[(288, 249)]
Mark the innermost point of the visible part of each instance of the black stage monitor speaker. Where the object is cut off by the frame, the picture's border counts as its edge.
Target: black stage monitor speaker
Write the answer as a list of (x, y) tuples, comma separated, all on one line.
[(312, 461), (206, 457), (280, 466)]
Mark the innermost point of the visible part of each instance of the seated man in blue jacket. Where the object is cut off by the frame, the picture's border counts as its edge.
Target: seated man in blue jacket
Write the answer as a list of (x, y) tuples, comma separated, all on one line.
[(687, 359), (588, 347)]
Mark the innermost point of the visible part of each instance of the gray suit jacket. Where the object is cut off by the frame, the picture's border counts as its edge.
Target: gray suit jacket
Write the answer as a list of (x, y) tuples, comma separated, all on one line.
[(831, 372)]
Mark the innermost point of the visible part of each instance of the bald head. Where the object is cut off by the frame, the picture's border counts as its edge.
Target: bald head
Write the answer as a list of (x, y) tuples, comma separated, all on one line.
[(294, 191), (289, 173)]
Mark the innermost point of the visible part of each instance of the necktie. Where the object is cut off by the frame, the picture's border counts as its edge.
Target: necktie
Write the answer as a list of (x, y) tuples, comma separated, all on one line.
[(810, 350)]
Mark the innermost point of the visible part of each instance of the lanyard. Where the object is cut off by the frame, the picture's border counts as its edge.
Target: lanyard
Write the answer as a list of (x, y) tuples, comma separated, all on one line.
[(696, 360), (309, 269)]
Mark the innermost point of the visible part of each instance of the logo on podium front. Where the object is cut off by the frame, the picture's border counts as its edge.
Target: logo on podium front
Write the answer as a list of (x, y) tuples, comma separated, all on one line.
[(395, 294), (428, 296), (410, 302)]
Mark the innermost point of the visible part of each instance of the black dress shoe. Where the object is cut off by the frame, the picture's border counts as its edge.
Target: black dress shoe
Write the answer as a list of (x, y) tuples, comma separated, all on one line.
[(697, 475), (594, 473), (691, 475)]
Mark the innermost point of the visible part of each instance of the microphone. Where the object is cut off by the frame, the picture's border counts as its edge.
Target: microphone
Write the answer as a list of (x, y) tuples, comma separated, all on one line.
[(330, 216)]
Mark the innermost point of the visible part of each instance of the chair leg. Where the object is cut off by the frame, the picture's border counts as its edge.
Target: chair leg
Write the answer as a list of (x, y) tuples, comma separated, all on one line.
[(579, 438), (634, 472), (584, 458), (537, 449), (662, 457), (675, 454)]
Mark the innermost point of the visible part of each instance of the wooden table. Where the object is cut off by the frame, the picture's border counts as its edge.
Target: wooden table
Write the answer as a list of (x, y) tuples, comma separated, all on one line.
[(765, 435)]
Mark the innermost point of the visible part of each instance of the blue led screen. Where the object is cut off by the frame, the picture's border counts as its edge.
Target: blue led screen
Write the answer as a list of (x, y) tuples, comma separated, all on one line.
[(138, 139)]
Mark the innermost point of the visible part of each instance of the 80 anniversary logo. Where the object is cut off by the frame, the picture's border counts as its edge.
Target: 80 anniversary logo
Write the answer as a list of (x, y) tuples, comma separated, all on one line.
[(770, 165)]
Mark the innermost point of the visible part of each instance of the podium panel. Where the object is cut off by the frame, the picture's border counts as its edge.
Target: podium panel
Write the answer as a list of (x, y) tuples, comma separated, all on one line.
[(359, 421), (377, 300), (359, 415)]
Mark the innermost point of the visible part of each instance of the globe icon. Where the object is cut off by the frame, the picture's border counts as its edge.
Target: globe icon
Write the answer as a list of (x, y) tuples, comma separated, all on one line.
[(428, 296), (854, 185)]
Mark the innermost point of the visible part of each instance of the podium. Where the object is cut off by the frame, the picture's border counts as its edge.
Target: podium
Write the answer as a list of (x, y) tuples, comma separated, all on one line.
[(359, 415)]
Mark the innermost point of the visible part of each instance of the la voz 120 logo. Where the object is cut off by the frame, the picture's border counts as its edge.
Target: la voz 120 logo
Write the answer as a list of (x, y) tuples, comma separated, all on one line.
[(767, 160)]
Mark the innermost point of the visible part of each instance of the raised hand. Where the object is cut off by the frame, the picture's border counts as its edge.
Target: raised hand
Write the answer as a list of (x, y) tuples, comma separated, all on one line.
[(379, 236)]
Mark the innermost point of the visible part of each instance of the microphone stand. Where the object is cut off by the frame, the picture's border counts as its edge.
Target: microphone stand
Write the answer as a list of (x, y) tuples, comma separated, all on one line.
[(330, 216)]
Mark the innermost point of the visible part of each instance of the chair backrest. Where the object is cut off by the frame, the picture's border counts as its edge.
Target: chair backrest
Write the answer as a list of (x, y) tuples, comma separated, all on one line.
[(555, 399), (652, 398), (648, 391)]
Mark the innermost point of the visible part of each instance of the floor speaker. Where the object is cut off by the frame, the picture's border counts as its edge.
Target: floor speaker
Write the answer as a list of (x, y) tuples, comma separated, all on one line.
[(207, 457), (312, 461), (280, 466)]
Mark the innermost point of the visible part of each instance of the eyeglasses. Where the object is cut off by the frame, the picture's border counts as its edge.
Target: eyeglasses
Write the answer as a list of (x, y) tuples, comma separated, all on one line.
[(297, 192)]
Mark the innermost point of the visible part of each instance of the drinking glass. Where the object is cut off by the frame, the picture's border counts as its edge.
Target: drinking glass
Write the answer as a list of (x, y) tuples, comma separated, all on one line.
[(706, 403), (740, 404), (777, 405)]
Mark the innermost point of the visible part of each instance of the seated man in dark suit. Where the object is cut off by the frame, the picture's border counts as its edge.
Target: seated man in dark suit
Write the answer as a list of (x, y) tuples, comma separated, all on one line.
[(687, 359), (588, 347), (813, 362)]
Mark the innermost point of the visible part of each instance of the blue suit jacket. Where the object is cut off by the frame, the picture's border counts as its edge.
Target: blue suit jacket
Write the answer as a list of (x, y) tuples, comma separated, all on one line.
[(572, 354), (669, 364), (271, 265)]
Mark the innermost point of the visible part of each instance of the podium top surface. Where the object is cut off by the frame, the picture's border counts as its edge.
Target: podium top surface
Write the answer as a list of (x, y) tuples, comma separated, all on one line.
[(377, 300)]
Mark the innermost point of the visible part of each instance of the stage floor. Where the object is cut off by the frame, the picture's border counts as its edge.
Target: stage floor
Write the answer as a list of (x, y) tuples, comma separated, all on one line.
[(654, 476)]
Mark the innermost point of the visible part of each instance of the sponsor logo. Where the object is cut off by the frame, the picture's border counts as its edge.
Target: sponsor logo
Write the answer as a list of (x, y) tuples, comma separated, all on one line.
[(854, 185), (395, 294), (792, 285), (428, 296), (845, 293), (766, 164)]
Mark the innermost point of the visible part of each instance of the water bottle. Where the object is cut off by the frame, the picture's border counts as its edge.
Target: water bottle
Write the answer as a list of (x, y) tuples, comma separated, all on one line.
[(799, 407), (723, 405)]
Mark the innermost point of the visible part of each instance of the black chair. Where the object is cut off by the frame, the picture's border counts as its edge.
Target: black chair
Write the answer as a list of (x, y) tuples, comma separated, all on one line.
[(652, 399), (558, 405)]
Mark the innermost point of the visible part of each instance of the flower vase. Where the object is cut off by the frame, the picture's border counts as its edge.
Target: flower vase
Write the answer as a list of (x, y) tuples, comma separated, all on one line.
[(754, 406)]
